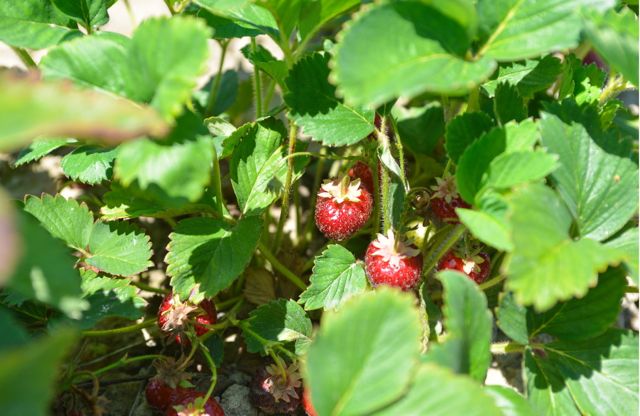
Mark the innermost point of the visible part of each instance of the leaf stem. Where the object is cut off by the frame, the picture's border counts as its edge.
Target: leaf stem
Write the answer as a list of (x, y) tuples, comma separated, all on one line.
[(122, 330), (284, 209), (444, 244), (148, 288), (490, 283), (217, 82), (257, 82), (214, 371), (383, 144), (25, 58), (292, 277), (216, 183), (170, 7), (507, 347)]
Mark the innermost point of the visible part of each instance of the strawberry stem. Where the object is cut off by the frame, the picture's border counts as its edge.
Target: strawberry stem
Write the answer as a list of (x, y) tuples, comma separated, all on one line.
[(284, 209), (383, 144), (122, 330), (288, 274), (442, 245)]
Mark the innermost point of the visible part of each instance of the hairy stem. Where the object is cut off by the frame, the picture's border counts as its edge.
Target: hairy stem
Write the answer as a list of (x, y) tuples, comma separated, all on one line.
[(216, 183), (383, 144), (284, 209), (217, 82), (25, 58), (288, 274), (441, 247), (257, 82), (123, 330)]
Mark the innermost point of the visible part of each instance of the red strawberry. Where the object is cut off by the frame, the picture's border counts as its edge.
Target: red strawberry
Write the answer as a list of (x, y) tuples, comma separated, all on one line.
[(274, 393), (160, 395), (306, 403), (361, 171), (189, 406), (173, 316), (343, 207), (476, 267), (393, 262), (446, 199)]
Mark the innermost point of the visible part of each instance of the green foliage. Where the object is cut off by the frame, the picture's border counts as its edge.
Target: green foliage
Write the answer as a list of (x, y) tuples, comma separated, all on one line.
[(336, 277)]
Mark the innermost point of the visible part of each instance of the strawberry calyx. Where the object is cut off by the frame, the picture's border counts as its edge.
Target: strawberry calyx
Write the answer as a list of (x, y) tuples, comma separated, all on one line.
[(283, 385), (393, 250), (341, 190), (176, 317), (445, 189)]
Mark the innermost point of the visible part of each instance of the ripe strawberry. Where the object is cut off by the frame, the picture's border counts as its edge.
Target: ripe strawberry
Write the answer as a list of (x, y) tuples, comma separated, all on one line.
[(476, 267), (274, 393), (306, 403), (164, 389), (361, 171), (160, 395), (446, 199), (342, 208), (173, 316), (393, 262), (189, 406)]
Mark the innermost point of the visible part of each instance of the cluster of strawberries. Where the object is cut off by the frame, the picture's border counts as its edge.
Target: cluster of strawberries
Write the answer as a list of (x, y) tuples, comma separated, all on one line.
[(345, 205)]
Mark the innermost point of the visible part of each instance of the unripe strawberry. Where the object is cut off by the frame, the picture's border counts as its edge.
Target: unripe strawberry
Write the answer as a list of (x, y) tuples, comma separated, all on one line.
[(477, 267), (174, 315), (393, 262), (188, 406), (446, 199), (342, 208)]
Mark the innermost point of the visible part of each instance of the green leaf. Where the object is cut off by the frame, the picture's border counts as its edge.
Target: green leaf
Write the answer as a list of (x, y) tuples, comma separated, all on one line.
[(528, 77), (132, 202), (596, 376), (627, 242), (159, 65), (41, 359), (423, 55), (279, 321), (600, 189), (285, 12), (475, 161), (179, 170), (508, 104), (315, 108), (576, 319), (227, 93), (100, 60), (121, 289), (516, 29), (489, 224), (336, 277), (14, 334), (316, 14), (210, 252), (463, 130), (546, 264), (115, 249), (466, 349), (420, 129), (615, 36), (89, 13), (34, 24), (373, 342), (515, 168), (509, 401), (264, 60), (40, 148), (89, 164), (46, 272), (437, 391), (223, 28), (26, 113), (63, 218), (243, 13), (119, 249), (258, 166)]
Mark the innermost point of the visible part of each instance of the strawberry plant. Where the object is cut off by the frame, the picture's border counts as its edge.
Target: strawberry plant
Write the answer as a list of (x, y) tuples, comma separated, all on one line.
[(319, 207)]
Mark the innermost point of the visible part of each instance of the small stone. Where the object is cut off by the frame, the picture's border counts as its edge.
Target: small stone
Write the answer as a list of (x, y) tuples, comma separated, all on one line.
[(235, 401)]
